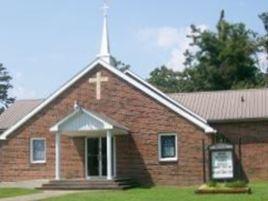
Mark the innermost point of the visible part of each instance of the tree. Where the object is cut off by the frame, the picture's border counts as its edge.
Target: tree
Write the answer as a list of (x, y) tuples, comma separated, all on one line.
[(264, 18), (5, 85), (165, 79), (264, 39), (121, 65), (225, 59)]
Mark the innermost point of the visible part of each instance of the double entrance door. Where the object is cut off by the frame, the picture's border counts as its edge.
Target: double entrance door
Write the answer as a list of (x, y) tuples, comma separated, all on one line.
[(96, 157)]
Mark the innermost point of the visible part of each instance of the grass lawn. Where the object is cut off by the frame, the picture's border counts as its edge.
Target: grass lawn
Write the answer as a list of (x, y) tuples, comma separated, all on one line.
[(260, 192), (11, 192)]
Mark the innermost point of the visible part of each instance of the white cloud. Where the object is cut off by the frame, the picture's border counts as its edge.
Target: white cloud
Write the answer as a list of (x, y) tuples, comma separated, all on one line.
[(21, 92), (241, 3), (164, 37), (263, 61), (169, 39), (31, 60), (176, 59), (18, 76)]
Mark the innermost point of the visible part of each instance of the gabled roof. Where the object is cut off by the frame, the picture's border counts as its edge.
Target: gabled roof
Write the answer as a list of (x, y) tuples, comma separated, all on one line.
[(232, 105), (17, 111), (179, 109), (81, 120)]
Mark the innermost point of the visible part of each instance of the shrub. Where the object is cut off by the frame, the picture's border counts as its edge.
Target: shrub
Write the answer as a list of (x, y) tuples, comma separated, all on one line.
[(212, 183), (236, 184)]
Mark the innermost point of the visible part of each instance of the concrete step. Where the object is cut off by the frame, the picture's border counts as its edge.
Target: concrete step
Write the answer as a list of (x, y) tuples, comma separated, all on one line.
[(119, 183), (82, 182), (124, 187)]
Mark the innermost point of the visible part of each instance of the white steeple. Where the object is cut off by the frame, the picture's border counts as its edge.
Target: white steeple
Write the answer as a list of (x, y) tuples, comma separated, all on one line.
[(105, 53)]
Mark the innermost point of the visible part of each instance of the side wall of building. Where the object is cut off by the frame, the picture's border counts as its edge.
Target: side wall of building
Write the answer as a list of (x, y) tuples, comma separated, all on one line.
[(254, 146)]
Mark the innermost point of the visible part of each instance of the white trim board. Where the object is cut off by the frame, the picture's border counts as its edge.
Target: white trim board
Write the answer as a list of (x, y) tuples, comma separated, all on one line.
[(176, 108)]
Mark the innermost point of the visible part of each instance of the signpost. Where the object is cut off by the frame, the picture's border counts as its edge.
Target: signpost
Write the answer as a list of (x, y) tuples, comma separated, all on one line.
[(221, 161)]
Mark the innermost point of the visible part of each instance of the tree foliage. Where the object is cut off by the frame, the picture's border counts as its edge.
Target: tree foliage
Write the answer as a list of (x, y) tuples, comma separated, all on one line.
[(5, 85), (264, 18), (264, 39), (166, 79), (225, 59), (121, 65)]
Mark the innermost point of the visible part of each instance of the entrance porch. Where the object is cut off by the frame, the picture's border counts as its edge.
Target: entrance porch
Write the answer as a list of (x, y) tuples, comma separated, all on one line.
[(99, 133)]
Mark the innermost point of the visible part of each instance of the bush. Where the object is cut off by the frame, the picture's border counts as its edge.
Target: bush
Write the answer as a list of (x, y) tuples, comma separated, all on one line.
[(212, 183), (236, 184)]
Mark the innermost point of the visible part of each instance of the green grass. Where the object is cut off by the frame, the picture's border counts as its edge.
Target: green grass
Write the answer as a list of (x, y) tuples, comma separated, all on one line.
[(260, 192), (12, 192)]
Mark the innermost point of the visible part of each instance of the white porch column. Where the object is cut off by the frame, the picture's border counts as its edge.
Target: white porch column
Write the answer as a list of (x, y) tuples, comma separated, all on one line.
[(109, 155), (114, 156), (57, 155)]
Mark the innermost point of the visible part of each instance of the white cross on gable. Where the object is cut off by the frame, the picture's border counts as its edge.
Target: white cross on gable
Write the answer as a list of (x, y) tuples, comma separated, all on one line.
[(98, 80)]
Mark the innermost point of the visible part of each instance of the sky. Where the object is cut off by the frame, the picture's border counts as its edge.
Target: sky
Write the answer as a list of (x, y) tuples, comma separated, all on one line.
[(44, 43)]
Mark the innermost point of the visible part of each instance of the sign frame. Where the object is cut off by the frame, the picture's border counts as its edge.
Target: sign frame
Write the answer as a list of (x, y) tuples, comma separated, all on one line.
[(221, 148)]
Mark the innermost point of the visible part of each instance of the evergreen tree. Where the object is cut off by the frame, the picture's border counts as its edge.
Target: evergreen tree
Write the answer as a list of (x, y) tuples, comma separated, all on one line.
[(5, 85)]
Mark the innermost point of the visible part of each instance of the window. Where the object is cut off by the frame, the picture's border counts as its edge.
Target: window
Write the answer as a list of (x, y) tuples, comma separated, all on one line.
[(167, 145), (38, 150)]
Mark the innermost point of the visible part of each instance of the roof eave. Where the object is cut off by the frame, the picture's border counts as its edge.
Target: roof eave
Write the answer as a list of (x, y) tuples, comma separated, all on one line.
[(211, 131), (237, 120)]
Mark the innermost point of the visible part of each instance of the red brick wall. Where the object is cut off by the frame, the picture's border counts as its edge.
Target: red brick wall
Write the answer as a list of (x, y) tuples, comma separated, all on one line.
[(254, 136), (137, 153)]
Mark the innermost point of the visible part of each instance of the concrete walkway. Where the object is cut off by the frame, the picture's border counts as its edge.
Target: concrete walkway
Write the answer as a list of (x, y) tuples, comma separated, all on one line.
[(38, 196), (31, 184)]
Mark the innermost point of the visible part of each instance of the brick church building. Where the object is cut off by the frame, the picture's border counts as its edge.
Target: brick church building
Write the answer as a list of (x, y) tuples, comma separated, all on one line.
[(106, 124)]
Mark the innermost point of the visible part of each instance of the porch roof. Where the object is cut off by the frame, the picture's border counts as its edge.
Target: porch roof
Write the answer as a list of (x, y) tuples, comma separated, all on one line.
[(82, 122)]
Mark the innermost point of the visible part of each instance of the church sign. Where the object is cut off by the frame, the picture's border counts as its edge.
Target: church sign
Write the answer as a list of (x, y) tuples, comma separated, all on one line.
[(221, 161)]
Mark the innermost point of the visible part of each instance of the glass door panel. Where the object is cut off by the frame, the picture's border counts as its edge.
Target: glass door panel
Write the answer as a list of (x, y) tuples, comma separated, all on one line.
[(93, 156), (103, 157)]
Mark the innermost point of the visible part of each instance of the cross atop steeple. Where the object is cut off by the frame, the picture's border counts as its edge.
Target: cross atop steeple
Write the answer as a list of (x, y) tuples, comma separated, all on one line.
[(105, 53), (105, 8)]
